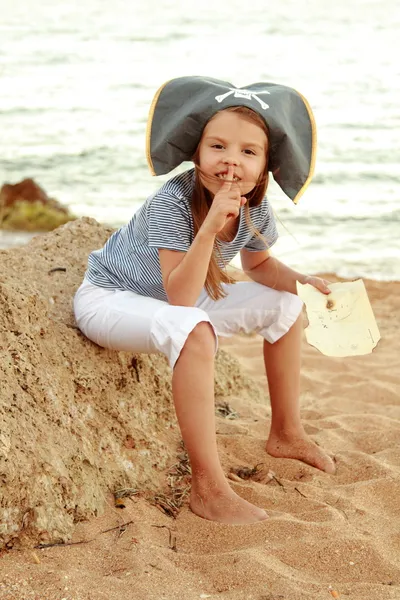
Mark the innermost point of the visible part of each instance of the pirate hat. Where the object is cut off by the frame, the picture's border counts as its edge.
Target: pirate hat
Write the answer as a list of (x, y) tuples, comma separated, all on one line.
[(182, 107)]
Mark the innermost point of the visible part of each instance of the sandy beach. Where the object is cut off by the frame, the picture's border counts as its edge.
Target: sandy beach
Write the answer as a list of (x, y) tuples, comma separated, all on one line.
[(327, 536), (94, 480)]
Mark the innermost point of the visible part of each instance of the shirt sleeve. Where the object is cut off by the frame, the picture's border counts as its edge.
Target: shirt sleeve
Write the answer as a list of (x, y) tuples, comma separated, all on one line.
[(169, 223), (266, 225)]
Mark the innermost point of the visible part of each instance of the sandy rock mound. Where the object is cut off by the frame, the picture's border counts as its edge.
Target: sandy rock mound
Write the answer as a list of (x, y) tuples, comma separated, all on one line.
[(76, 421)]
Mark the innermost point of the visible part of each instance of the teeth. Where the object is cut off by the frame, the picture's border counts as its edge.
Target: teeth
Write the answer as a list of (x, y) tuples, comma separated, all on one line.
[(223, 176)]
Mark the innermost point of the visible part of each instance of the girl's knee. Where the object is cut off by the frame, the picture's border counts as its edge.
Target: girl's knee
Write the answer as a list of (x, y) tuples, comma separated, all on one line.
[(177, 329), (202, 339)]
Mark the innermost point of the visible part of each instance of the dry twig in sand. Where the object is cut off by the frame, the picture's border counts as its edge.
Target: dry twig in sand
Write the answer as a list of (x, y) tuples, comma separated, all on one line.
[(222, 409), (178, 478)]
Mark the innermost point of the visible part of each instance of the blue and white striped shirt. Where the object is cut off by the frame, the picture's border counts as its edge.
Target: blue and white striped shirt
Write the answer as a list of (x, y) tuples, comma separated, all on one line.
[(129, 260)]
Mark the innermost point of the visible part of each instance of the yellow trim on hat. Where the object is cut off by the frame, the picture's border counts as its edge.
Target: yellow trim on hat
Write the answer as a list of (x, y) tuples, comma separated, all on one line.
[(149, 125), (313, 149)]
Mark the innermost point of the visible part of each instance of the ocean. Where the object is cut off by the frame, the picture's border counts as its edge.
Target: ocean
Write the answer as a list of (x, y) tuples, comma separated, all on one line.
[(77, 80)]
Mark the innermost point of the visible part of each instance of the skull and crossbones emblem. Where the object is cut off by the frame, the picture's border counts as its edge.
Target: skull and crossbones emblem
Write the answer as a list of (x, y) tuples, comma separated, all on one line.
[(247, 94)]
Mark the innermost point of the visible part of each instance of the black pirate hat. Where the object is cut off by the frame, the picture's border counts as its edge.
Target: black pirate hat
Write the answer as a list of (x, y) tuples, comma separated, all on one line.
[(182, 107)]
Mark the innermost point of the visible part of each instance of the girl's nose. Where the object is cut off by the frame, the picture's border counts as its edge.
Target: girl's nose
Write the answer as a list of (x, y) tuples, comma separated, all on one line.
[(232, 160)]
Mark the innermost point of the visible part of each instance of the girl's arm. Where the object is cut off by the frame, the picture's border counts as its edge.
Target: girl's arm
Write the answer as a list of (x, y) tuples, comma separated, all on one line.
[(184, 273), (268, 270)]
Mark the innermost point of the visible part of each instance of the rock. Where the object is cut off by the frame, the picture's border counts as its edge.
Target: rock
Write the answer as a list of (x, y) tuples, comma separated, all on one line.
[(76, 421), (26, 206)]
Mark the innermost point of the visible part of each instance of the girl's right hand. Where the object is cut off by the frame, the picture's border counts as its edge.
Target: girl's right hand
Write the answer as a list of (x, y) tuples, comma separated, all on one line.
[(225, 205)]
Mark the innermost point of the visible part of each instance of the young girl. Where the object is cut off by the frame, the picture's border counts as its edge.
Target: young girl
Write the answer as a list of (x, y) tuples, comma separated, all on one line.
[(160, 283)]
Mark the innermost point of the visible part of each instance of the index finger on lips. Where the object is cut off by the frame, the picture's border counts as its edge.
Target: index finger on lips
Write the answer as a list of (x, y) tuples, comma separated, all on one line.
[(227, 185)]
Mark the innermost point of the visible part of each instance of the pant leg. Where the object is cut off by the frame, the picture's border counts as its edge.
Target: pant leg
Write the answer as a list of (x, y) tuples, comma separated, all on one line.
[(252, 307), (123, 320)]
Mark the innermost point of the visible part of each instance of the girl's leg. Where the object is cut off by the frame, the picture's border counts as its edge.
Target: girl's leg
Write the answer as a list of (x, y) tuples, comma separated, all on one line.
[(249, 307), (287, 438), (193, 389), (121, 320)]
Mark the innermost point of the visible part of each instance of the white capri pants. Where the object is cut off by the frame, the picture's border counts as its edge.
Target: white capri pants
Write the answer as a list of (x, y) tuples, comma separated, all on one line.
[(123, 320)]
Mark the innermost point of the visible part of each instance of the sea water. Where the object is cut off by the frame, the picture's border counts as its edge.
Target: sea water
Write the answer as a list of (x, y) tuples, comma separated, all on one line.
[(77, 79)]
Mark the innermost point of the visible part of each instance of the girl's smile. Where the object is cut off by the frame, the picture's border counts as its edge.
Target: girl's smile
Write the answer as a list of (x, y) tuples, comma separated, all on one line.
[(231, 139)]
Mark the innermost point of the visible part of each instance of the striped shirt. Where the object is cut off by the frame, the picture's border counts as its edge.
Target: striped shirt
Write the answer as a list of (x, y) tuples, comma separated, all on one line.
[(129, 260)]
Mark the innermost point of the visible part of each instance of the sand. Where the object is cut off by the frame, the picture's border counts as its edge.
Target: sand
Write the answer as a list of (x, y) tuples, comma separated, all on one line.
[(327, 536)]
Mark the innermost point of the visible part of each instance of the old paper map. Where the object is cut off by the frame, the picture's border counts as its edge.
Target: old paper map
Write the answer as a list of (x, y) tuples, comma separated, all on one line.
[(342, 323)]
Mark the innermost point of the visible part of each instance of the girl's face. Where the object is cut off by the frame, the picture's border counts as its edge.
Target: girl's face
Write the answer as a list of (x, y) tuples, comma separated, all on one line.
[(230, 139)]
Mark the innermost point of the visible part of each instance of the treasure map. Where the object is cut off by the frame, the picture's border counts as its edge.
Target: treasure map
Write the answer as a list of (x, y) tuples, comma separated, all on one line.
[(341, 323)]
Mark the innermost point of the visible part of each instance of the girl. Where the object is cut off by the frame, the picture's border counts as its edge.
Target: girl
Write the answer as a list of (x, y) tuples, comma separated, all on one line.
[(160, 284)]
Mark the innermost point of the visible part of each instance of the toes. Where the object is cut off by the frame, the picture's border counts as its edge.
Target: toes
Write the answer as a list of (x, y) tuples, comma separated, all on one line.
[(306, 451), (330, 466), (325, 463)]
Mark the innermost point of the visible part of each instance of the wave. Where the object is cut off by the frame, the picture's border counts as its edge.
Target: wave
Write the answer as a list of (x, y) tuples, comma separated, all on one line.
[(87, 160), (366, 126), (341, 177), (39, 110), (361, 222)]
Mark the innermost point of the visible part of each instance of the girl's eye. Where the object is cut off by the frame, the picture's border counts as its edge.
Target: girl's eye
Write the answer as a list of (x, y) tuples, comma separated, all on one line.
[(248, 151), (217, 146)]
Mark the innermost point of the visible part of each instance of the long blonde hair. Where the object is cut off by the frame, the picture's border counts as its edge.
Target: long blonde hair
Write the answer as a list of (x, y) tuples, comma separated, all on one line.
[(202, 199)]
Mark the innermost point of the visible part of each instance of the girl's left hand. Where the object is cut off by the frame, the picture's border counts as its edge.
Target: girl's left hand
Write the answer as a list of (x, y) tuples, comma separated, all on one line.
[(317, 282)]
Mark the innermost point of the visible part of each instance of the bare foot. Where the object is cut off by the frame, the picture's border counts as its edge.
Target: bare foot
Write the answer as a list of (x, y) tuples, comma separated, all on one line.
[(225, 506), (301, 448)]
